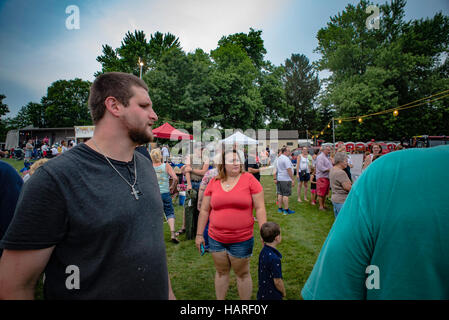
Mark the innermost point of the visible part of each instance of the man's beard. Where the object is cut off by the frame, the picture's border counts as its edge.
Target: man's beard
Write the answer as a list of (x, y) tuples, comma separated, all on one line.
[(140, 136)]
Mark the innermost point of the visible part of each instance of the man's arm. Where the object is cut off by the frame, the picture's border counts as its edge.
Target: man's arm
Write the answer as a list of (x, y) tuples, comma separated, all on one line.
[(290, 174), (19, 272), (253, 170), (171, 295), (200, 196), (187, 169), (203, 170)]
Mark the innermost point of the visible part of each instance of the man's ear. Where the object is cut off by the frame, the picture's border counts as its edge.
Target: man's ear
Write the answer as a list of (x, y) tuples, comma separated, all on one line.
[(113, 106)]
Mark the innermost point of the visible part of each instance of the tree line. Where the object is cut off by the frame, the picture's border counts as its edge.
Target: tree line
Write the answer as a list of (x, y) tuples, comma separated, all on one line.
[(235, 86)]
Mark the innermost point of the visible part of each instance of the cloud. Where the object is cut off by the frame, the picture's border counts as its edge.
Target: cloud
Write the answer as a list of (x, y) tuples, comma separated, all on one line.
[(57, 53), (198, 23)]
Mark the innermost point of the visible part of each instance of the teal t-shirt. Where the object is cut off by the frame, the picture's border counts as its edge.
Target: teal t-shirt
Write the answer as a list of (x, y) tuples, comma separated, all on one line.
[(162, 178), (396, 218)]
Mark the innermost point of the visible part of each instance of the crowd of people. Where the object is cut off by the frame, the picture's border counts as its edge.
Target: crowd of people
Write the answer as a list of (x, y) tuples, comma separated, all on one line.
[(38, 148), (106, 220)]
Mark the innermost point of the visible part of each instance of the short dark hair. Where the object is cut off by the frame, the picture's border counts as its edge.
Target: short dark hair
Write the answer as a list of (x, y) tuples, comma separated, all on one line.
[(269, 231), (112, 84)]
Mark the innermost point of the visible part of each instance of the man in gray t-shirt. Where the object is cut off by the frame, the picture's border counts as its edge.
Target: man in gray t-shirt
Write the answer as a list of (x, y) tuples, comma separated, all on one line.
[(285, 180), (93, 217)]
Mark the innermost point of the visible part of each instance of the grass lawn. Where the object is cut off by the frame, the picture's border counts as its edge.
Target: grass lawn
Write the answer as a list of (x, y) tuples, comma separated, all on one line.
[(303, 234)]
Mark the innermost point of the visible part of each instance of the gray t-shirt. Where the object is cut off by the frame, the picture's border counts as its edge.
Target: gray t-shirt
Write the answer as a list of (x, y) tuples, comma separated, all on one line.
[(79, 204)]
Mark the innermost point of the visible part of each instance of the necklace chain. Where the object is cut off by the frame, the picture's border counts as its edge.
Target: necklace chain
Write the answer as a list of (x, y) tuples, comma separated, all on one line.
[(228, 184), (135, 170)]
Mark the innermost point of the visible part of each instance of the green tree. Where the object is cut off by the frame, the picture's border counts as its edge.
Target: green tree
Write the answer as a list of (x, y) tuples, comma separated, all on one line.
[(272, 91), (236, 99), (135, 47), (30, 114), (66, 103), (301, 88), (3, 107), (179, 88), (375, 70), (251, 43), (3, 123)]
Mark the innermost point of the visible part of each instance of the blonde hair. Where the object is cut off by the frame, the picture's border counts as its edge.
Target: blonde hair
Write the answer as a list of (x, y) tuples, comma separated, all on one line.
[(36, 165), (156, 155), (221, 167)]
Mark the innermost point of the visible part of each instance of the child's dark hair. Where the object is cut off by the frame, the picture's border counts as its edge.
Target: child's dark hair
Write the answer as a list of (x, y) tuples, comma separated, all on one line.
[(269, 231)]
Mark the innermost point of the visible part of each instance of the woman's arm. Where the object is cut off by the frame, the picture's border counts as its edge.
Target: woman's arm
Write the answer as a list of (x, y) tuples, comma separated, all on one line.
[(259, 206), (202, 221), (347, 185), (173, 175)]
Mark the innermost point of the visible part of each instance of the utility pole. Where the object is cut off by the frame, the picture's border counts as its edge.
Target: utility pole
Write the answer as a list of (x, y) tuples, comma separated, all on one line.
[(141, 65), (333, 131)]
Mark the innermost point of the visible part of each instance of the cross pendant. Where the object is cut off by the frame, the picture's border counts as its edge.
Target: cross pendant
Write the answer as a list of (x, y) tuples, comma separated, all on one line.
[(135, 193)]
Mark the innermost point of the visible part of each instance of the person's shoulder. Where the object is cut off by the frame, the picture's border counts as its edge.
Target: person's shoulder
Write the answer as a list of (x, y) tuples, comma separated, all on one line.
[(7, 170), (142, 157), (271, 254)]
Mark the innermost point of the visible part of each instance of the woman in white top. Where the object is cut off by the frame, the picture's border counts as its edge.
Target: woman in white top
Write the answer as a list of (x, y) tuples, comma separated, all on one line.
[(303, 173)]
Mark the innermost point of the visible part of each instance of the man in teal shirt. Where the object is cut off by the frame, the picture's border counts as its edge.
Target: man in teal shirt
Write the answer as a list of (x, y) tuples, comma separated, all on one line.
[(391, 238)]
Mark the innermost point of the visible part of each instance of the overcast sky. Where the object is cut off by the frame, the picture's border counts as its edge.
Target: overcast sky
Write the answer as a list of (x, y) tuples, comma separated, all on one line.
[(37, 49)]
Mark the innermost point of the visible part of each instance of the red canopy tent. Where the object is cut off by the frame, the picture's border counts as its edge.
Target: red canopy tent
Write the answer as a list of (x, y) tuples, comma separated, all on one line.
[(166, 131)]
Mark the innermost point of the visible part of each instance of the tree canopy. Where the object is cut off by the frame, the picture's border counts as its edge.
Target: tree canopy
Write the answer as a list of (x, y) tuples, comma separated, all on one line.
[(375, 70), (234, 86)]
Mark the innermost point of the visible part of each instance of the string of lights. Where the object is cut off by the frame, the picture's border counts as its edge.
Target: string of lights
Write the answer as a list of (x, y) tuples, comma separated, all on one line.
[(395, 111)]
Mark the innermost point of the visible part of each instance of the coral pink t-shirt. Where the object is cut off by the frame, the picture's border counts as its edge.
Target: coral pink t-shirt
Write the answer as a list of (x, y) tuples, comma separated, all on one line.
[(231, 217)]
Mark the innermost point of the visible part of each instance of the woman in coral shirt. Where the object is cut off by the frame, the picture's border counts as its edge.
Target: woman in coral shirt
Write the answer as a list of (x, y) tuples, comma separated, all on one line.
[(228, 203)]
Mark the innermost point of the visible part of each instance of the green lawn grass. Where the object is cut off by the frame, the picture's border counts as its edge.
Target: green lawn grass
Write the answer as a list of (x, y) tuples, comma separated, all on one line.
[(16, 164), (303, 234)]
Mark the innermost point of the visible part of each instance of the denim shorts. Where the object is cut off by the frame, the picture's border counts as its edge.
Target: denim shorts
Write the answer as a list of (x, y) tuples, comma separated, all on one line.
[(168, 205), (241, 250)]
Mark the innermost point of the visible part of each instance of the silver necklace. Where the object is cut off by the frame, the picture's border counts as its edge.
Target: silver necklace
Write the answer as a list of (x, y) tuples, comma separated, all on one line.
[(227, 185), (134, 192)]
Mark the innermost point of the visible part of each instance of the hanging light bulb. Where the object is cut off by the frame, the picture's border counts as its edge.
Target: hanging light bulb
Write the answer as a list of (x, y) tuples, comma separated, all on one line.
[(360, 120), (395, 113), (339, 121), (328, 125), (322, 132)]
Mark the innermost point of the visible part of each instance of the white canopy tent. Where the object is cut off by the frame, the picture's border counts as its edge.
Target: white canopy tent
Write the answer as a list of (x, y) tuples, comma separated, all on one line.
[(239, 138)]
